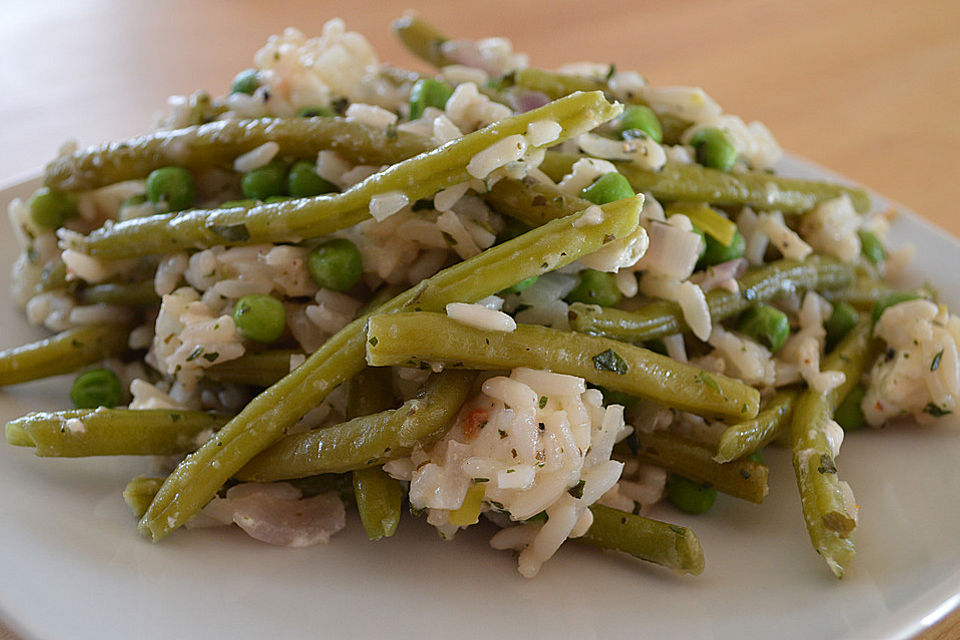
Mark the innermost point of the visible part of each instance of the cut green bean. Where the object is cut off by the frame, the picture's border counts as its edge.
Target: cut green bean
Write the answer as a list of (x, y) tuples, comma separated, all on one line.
[(370, 391), (135, 294), (669, 545), (139, 493), (690, 182), (744, 438), (397, 339), (217, 144), (862, 293), (263, 420), (65, 352), (422, 39), (379, 501), (532, 204), (366, 441), (260, 369), (822, 497), (411, 179), (663, 318), (113, 432), (744, 479)]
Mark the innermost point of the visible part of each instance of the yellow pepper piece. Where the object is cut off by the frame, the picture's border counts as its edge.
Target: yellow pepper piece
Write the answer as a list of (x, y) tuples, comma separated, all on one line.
[(469, 511), (708, 220)]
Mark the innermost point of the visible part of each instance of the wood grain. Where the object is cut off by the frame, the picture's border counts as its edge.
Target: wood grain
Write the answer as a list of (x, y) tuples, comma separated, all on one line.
[(866, 87)]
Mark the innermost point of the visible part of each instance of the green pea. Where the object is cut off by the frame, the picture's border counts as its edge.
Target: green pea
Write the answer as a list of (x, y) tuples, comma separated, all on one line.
[(171, 188), (715, 252), (96, 388), (756, 456), (336, 264), (246, 82), (714, 149), (49, 209), (841, 321), (273, 199), (303, 181), (135, 200), (428, 92), (871, 247), (511, 229), (890, 300), (608, 188), (520, 286), (596, 287), (640, 118), (849, 414), (260, 318), (268, 180), (766, 325), (688, 496), (312, 112)]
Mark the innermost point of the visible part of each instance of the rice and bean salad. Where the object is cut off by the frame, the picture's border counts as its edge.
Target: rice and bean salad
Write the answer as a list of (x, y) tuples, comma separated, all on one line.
[(549, 298)]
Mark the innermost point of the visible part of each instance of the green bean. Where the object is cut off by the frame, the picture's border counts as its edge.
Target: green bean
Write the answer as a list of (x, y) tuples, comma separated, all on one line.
[(415, 178), (260, 369), (397, 339), (53, 276), (556, 85), (65, 352), (663, 318), (669, 545), (135, 294), (219, 143), (113, 432), (544, 249), (742, 439), (862, 293), (366, 441), (692, 182), (849, 413), (379, 501), (825, 511), (743, 478), (139, 492), (370, 391), (422, 39), (532, 204), (842, 319)]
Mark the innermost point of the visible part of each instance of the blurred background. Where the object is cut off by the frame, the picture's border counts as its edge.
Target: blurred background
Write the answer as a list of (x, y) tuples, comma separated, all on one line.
[(867, 88)]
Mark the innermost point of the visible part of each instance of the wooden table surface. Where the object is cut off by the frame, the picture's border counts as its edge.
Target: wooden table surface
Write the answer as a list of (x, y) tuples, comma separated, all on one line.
[(866, 87)]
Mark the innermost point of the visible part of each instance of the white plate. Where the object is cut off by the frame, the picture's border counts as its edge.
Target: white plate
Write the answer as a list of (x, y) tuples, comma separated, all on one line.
[(73, 567)]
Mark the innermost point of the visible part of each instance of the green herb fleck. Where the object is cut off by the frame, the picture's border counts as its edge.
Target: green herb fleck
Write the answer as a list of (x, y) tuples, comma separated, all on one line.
[(935, 410), (610, 360), (577, 490), (373, 341), (196, 353), (708, 380), (935, 364), (543, 401), (827, 465), (231, 232)]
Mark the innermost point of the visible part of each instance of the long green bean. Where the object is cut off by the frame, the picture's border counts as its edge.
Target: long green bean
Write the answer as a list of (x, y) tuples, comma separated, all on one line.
[(692, 182), (663, 318), (379, 497), (422, 39), (397, 339), (137, 294), (139, 493), (415, 178), (533, 203), (365, 441), (260, 369), (862, 293), (665, 544), (745, 479), (379, 501), (825, 510), (65, 352), (113, 432), (219, 143), (745, 437), (551, 246)]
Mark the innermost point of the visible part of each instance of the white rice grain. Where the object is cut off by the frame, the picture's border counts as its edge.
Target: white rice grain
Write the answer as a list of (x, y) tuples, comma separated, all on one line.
[(256, 158), (480, 317)]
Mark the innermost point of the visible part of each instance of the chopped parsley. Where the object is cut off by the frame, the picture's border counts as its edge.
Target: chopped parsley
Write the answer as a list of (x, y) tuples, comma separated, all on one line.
[(935, 410), (827, 465), (577, 490), (935, 364), (610, 360)]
